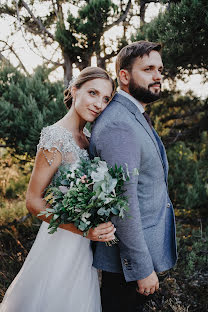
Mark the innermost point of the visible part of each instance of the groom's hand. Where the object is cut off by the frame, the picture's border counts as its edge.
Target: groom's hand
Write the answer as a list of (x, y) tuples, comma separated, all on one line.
[(148, 285)]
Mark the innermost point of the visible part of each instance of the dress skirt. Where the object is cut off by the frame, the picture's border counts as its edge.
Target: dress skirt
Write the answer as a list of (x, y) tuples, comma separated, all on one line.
[(57, 276)]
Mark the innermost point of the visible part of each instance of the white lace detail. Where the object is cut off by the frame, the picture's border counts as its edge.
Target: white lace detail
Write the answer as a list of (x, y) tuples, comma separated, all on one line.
[(57, 138), (50, 161)]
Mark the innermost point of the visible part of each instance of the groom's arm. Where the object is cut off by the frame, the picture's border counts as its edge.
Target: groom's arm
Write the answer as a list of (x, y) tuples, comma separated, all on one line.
[(117, 144)]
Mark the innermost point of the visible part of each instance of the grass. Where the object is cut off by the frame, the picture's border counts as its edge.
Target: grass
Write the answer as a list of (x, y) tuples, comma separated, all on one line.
[(185, 287), (16, 240), (11, 210)]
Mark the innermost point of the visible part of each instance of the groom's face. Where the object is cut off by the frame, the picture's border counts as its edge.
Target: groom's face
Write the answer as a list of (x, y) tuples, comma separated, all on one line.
[(145, 78)]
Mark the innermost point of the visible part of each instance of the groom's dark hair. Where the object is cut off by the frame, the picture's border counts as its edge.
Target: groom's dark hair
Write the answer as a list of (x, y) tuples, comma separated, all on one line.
[(126, 57)]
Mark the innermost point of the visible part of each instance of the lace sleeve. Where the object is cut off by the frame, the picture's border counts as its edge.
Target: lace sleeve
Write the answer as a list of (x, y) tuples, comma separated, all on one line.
[(53, 139)]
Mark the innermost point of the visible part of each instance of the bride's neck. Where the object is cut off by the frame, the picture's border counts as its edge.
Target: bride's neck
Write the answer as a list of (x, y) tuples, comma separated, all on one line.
[(73, 122)]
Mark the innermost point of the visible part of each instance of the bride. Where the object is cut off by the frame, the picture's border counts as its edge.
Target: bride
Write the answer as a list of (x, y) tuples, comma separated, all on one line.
[(57, 274)]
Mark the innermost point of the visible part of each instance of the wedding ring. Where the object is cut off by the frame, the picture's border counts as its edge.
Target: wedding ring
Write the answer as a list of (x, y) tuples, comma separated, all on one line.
[(100, 236)]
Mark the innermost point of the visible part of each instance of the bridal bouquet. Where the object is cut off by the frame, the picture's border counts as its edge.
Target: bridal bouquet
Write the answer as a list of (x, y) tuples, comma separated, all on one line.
[(86, 194)]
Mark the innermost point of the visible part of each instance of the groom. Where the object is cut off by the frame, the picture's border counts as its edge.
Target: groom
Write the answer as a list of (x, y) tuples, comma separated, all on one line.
[(123, 134)]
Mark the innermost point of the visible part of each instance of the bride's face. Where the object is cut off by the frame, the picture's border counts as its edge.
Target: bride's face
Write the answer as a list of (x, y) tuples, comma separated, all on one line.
[(92, 98)]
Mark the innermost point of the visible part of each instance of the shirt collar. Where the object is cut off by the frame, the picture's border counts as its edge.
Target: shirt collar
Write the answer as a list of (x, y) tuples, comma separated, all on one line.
[(132, 99)]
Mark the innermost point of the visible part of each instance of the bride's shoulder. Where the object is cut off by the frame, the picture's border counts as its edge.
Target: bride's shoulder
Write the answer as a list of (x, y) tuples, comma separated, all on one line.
[(55, 131), (54, 136)]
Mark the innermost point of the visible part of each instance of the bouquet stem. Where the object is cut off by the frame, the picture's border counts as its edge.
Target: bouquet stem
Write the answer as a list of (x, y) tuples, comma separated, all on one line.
[(112, 242)]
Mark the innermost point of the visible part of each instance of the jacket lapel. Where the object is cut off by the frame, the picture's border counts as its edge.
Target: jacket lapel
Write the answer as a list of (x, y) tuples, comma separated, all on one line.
[(140, 118), (144, 123), (163, 153)]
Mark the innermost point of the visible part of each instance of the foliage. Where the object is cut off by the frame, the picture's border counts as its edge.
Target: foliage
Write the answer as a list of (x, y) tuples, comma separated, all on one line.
[(188, 177), (181, 290), (83, 35), (184, 288), (180, 117), (181, 121), (14, 175), (183, 31), (15, 241), (15, 188), (27, 104), (193, 250), (86, 194), (73, 28)]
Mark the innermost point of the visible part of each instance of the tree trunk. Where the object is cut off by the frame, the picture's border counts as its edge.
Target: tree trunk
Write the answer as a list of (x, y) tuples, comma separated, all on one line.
[(85, 63), (67, 69), (101, 62), (142, 12)]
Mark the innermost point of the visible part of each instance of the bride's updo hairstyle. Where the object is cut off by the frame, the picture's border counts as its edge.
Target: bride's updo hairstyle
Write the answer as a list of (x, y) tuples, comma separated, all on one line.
[(87, 74)]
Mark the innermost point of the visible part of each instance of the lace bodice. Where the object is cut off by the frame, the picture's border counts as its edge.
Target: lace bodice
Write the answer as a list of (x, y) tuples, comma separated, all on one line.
[(57, 138)]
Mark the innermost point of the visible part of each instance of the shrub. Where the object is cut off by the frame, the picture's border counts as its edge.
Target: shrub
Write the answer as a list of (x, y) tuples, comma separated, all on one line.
[(188, 177)]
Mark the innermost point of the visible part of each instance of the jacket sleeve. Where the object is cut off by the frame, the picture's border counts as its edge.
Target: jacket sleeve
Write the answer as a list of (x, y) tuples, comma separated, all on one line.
[(117, 144)]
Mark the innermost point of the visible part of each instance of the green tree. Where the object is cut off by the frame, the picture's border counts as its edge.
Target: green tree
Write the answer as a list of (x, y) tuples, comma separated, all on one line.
[(27, 104), (188, 175), (75, 36), (75, 30), (183, 31), (180, 117), (181, 120)]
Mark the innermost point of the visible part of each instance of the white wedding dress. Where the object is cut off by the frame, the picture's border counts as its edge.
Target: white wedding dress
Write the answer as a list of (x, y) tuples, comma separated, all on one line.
[(57, 274)]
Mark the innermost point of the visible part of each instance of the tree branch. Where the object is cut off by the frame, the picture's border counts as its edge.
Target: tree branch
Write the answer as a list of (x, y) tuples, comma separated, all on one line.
[(5, 60), (150, 1), (120, 19), (12, 50), (7, 10), (4, 145), (45, 58), (48, 61), (60, 12), (37, 21), (109, 56), (54, 7)]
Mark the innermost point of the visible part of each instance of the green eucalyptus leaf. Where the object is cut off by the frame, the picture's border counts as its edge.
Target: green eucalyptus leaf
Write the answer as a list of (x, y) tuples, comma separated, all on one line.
[(115, 211), (101, 211)]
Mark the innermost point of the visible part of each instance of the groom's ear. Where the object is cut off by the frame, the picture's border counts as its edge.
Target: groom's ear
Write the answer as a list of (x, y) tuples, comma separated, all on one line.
[(124, 77)]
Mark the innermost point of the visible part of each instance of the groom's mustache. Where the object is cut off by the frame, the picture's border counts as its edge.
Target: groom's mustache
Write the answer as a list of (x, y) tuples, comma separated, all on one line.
[(158, 84)]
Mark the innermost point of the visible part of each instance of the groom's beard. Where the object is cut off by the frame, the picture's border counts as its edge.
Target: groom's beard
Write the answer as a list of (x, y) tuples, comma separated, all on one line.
[(142, 94)]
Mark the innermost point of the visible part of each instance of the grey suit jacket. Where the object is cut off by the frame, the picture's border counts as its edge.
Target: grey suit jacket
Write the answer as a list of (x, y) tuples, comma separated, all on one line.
[(146, 235)]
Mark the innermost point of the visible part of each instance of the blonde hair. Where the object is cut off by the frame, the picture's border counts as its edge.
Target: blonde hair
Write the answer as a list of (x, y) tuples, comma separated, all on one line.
[(87, 74)]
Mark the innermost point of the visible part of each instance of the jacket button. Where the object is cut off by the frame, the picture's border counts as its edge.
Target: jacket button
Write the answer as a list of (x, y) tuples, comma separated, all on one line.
[(168, 205)]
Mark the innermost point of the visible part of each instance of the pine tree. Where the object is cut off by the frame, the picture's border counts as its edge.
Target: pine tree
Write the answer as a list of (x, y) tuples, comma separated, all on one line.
[(27, 104), (183, 31), (182, 120), (75, 36)]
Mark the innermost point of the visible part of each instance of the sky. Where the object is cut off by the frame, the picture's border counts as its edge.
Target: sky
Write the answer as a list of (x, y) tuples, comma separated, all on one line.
[(31, 60)]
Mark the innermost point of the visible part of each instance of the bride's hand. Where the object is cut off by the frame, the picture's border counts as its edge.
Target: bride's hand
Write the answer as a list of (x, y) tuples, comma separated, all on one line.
[(102, 233)]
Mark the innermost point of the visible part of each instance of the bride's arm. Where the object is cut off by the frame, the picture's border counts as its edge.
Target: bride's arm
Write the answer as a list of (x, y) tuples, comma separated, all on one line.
[(42, 175)]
